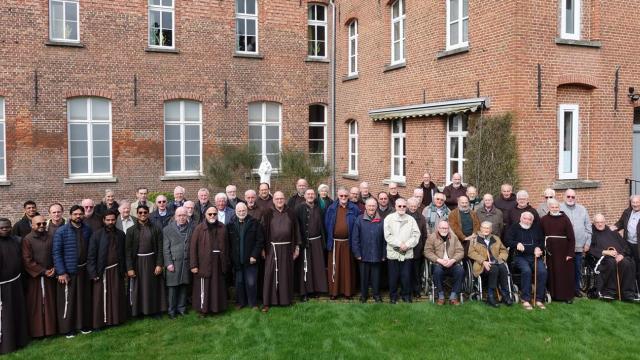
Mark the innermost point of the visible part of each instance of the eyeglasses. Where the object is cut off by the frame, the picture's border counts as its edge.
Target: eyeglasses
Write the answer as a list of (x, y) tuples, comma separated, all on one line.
[(212, 214), (142, 212), (570, 196), (88, 207), (343, 196), (549, 197), (401, 206), (41, 224), (161, 201), (439, 199)]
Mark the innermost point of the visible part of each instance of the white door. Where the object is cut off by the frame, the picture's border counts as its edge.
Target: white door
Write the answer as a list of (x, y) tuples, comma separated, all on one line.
[(636, 149)]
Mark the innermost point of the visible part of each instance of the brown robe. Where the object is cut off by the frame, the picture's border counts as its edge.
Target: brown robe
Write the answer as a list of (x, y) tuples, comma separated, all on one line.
[(209, 252), (343, 280), (41, 290), (310, 267), (561, 272), (13, 316), (282, 236), (265, 204), (146, 289)]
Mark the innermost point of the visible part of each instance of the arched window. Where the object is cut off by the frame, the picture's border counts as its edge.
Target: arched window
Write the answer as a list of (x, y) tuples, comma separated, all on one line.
[(353, 48), (264, 131), (353, 148)]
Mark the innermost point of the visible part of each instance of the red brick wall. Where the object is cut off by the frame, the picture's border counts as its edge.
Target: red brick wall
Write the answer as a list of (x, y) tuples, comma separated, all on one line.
[(114, 34)]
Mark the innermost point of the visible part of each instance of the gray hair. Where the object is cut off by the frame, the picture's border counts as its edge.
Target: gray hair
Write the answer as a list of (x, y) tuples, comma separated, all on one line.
[(220, 196), (522, 194)]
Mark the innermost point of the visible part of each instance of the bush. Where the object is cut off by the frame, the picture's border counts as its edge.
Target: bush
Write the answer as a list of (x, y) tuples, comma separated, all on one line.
[(491, 152), (297, 164)]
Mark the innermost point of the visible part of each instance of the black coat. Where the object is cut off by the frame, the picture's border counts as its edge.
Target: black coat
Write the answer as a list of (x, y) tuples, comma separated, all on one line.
[(253, 240), (302, 216), (97, 254), (624, 221), (531, 238), (132, 242)]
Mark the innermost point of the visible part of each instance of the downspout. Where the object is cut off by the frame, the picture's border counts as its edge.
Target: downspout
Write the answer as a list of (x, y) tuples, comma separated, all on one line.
[(333, 99)]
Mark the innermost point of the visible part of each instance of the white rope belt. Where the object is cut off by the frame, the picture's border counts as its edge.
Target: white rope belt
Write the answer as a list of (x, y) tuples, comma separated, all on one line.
[(42, 289), (81, 265), (333, 272), (148, 254), (2, 283), (104, 290), (130, 291), (275, 257), (595, 270), (306, 264), (201, 293), (216, 251)]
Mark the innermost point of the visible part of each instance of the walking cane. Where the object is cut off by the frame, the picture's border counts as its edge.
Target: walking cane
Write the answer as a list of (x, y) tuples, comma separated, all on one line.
[(535, 278), (617, 275)]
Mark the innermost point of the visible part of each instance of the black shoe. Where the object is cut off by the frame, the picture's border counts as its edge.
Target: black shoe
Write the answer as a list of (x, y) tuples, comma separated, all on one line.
[(378, 299), (491, 301), (507, 299), (579, 294)]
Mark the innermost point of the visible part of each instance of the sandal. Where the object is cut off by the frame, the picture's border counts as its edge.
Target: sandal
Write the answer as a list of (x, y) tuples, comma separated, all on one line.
[(540, 305), (526, 305)]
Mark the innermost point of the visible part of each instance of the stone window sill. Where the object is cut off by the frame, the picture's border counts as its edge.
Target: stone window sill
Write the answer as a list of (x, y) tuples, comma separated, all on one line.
[(162, 50), (350, 77), (397, 66), (64, 44), (447, 53), (389, 181), (248, 55), (583, 43), (5, 183), (575, 184), (350, 176), (90, 180), (180, 177), (314, 59)]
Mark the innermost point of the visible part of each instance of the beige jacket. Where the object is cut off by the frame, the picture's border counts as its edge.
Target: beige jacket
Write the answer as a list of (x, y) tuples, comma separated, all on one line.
[(434, 248)]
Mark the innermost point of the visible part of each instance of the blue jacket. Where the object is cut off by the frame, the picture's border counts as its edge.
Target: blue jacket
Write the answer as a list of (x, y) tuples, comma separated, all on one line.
[(330, 221), (65, 248), (368, 239)]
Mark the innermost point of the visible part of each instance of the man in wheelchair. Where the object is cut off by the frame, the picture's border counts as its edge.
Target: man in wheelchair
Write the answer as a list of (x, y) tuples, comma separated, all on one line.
[(615, 266), (489, 257), (445, 251)]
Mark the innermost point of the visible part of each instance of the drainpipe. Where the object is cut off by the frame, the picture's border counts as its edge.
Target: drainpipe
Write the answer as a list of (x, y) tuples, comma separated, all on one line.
[(333, 98)]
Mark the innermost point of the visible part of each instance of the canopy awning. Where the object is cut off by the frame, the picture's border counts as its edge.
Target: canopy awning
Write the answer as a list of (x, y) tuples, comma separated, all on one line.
[(430, 109)]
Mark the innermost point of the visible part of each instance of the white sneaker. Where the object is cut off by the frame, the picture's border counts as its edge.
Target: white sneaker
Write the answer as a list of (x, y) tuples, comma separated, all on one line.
[(86, 332), (70, 336)]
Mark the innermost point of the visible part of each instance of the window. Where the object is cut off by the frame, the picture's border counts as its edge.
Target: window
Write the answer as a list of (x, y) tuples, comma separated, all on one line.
[(246, 26), (182, 137), (570, 19), (64, 23), (568, 117), (457, 23), (398, 150), (317, 134), (264, 131), (353, 148), (353, 47), (89, 122), (456, 144), (161, 24), (3, 148), (317, 31), (397, 32)]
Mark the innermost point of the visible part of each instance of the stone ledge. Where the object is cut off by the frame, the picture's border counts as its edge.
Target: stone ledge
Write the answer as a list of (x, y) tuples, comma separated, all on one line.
[(90, 180), (64, 43), (350, 176), (5, 183), (350, 77), (401, 65), (162, 50), (447, 53), (400, 183), (318, 60), (248, 55), (181, 177), (584, 43), (575, 184)]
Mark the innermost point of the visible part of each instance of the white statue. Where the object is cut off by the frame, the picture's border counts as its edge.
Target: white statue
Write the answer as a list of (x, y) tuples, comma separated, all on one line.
[(265, 170)]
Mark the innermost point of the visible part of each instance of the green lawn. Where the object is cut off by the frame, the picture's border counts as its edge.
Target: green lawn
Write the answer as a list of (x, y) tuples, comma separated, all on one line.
[(588, 329)]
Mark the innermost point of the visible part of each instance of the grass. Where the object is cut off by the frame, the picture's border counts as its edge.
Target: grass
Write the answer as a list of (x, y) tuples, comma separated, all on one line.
[(319, 329)]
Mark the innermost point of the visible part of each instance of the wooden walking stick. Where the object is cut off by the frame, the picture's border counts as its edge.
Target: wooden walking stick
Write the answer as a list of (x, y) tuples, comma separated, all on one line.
[(617, 274), (535, 278)]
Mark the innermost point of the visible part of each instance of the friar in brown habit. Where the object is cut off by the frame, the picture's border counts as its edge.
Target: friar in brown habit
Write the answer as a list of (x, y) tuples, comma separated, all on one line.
[(41, 282), (209, 261), (560, 245), (13, 313), (106, 267)]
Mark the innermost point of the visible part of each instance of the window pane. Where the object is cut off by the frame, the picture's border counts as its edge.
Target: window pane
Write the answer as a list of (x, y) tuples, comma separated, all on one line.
[(191, 111), (568, 130), (453, 34), (273, 112), (453, 10), (167, 38), (316, 159), (71, 30), (57, 10), (251, 27), (251, 7), (320, 48), (453, 146), (172, 111), (353, 128), (454, 167), (395, 9), (101, 148), (251, 43), (396, 166), (320, 10), (320, 32), (172, 132), (240, 27), (316, 113), (255, 146), (99, 109), (172, 147), (465, 8), (192, 132), (78, 148), (71, 11), (316, 146), (192, 148), (255, 132), (396, 31), (273, 132), (77, 132), (154, 36), (167, 3), (192, 163), (58, 29), (316, 132), (78, 109), (101, 165), (311, 13), (465, 30), (154, 2), (273, 146), (396, 147), (167, 21), (570, 14), (154, 19), (274, 160), (173, 163), (79, 165), (255, 112), (240, 6), (100, 132)]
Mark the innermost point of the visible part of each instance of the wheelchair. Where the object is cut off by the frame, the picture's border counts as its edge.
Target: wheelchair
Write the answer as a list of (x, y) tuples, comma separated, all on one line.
[(429, 286), (591, 283), (516, 279), (477, 291)]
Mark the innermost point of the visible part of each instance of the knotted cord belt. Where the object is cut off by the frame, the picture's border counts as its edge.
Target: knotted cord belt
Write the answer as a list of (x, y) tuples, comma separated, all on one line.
[(306, 264), (333, 272), (2, 283), (104, 290), (275, 257)]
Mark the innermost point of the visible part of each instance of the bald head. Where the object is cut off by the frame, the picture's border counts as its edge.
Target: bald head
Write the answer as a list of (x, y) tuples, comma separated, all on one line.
[(39, 224)]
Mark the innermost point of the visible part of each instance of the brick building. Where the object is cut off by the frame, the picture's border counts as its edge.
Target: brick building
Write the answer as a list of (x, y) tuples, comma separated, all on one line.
[(411, 73), (118, 94)]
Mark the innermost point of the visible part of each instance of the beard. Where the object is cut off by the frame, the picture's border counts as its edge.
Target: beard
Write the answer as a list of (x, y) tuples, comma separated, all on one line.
[(212, 221), (525, 226)]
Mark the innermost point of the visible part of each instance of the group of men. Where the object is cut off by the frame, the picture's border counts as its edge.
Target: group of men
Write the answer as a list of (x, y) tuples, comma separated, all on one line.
[(114, 261)]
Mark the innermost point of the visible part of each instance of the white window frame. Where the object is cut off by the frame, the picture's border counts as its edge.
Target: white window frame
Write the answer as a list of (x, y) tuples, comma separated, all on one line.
[(322, 125), (353, 48), (246, 17), (401, 136), (316, 24), (3, 139), (575, 145), (263, 123), (353, 147), (459, 134), (64, 12), (577, 4), (182, 123), (89, 122), (401, 37), (160, 8), (459, 42)]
